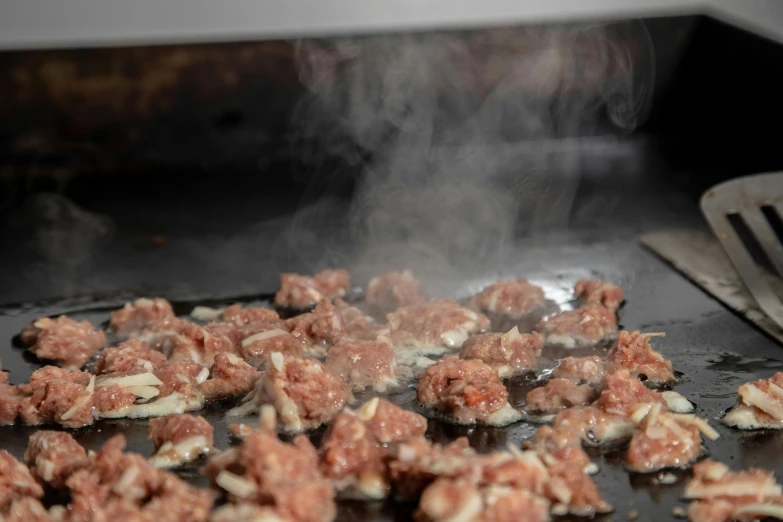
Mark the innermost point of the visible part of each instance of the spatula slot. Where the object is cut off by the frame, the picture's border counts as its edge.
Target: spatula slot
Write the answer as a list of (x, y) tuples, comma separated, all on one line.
[(750, 241), (774, 219)]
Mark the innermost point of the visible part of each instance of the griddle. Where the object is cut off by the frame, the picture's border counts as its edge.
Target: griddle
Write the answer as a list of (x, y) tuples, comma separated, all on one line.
[(713, 352)]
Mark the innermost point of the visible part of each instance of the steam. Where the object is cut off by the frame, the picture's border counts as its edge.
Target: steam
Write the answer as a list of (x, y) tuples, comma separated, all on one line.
[(463, 142)]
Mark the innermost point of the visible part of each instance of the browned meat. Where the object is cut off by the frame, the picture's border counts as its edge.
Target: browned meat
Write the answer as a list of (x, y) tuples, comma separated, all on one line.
[(25, 509), (467, 391), (300, 292), (304, 392), (130, 357), (67, 342), (569, 487), (364, 363), (559, 394), (118, 484), (581, 370), (141, 315), (258, 340), (633, 352), (441, 322), (180, 438), (603, 293), (10, 401), (58, 395), (588, 324), (511, 298), (270, 473), (723, 495), (328, 323), (760, 405), (230, 377), (621, 394), (414, 465), (663, 441), (16, 480), (240, 316), (508, 354), (53, 456), (390, 291), (392, 424)]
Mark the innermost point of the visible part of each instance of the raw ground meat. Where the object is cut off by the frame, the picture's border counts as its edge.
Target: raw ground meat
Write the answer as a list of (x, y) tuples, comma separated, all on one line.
[(390, 423), (466, 391), (258, 340), (633, 352), (760, 405), (67, 342), (364, 363), (180, 438), (329, 322), (284, 477), (10, 401), (508, 354), (59, 396), (53, 456), (510, 298), (25, 509), (621, 394), (586, 424), (581, 370), (595, 292), (301, 292), (585, 325), (559, 394), (112, 398), (130, 357), (118, 485), (390, 291), (230, 377), (141, 315), (16, 480), (663, 442), (722, 495), (199, 343), (304, 392), (241, 316), (246, 512), (415, 462), (569, 487), (441, 322)]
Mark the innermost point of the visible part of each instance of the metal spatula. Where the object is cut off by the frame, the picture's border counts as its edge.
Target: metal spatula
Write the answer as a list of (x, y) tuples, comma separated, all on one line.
[(746, 215)]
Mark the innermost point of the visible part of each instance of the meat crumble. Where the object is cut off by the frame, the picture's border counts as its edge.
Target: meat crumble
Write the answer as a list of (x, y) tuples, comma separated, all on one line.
[(301, 292), (581, 370), (390, 291), (142, 314), (604, 293), (633, 352), (364, 363), (437, 323), (179, 439), (559, 394), (586, 325), (53, 456), (16, 481), (329, 322), (56, 395), (760, 405), (508, 354), (511, 298), (466, 392), (68, 343)]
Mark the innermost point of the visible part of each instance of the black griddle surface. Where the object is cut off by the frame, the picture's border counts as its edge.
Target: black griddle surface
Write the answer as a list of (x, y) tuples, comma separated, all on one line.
[(712, 349)]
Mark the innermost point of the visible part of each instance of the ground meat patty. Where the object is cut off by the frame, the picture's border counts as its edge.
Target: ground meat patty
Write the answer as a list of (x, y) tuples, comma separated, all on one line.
[(364, 363), (179, 439), (441, 322), (10, 401), (53, 456), (230, 377), (67, 342), (16, 480), (663, 442), (141, 315), (466, 391), (559, 394), (621, 394), (604, 293), (125, 485), (510, 298), (241, 316), (722, 495), (390, 291), (581, 370), (59, 396), (284, 477), (633, 352), (301, 292), (130, 357), (304, 392), (585, 325), (329, 322), (508, 354)]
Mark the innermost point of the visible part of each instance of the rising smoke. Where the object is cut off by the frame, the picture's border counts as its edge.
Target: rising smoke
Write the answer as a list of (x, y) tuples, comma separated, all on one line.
[(465, 141)]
